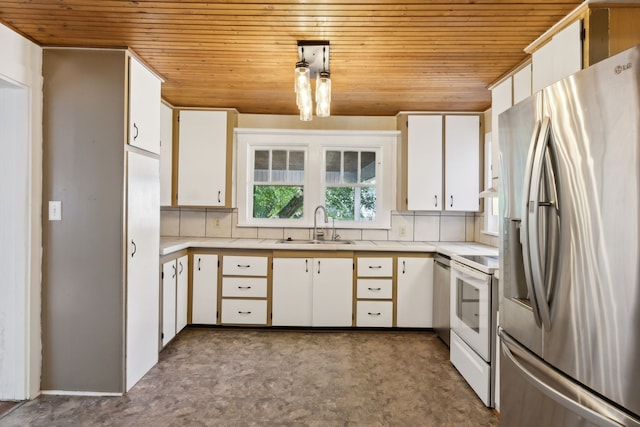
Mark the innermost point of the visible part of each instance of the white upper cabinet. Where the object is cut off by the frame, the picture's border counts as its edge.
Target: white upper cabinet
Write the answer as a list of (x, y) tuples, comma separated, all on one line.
[(424, 163), (144, 107), (166, 154), (521, 84), (462, 163), (202, 158), (559, 58)]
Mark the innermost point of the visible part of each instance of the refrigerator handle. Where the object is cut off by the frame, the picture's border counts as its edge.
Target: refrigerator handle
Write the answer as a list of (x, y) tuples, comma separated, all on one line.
[(550, 392), (533, 232), (524, 230)]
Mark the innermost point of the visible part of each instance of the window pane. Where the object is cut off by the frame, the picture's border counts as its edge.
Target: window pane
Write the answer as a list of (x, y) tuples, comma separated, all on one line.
[(278, 165), (367, 206), (261, 166), (350, 167), (277, 201), (339, 202), (368, 167), (332, 167), (296, 166)]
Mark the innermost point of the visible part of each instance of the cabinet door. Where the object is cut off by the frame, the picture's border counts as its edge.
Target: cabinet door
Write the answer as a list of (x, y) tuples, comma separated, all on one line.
[(462, 165), (332, 292), (144, 108), (204, 302), (166, 154), (415, 292), (143, 242), (559, 58), (169, 276), (424, 163), (182, 292), (292, 292), (202, 158)]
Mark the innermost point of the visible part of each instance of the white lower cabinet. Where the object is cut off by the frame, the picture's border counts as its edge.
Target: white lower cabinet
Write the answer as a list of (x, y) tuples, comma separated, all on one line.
[(292, 300), (204, 300), (182, 292), (169, 276), (244, 290), (175, 276), (332, 292), (415, 292), (312, 292), (374, 291), (244, 311), (375, 313)]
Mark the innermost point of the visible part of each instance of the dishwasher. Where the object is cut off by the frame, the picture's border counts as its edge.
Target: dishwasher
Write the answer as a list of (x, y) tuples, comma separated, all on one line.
[(441, 297)]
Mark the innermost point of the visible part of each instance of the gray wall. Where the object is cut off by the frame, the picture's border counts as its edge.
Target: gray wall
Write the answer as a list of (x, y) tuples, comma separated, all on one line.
[(83, 275)]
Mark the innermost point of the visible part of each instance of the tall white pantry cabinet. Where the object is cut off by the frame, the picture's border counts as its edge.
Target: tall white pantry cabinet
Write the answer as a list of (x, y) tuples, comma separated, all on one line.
[(101, 298)]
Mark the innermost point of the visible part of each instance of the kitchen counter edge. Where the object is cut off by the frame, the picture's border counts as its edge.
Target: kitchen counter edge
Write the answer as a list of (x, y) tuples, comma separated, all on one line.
[(169, 245)]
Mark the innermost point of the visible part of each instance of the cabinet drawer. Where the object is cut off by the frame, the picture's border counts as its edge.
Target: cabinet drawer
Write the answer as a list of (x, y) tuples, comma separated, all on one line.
[(247, 312), (375, 267), (375, 289), (250, 287), (244, 266), (375, 313)]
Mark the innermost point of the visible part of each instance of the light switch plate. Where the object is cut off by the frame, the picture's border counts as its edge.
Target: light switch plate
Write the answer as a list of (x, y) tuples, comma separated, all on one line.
[(55, 210)]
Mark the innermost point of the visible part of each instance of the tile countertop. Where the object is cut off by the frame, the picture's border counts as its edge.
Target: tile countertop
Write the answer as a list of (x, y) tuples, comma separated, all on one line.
[(169, 245)]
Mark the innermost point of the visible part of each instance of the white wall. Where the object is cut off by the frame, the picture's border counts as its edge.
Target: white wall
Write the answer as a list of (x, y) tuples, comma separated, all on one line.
[(20, 216)]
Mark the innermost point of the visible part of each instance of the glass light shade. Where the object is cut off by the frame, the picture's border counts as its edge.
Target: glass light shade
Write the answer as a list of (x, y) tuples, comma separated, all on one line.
[(302, 76), (306, 113), (303, 97), (305, 103), (323, 95)]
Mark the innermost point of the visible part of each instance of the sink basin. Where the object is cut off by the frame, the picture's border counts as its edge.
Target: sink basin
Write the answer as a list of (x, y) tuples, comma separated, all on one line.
[(316, 242)]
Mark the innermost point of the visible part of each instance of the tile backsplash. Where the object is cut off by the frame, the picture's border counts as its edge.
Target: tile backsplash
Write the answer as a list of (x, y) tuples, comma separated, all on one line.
[(405, 226)]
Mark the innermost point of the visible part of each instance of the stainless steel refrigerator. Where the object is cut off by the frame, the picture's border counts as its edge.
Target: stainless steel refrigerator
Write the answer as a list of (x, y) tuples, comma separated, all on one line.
[(570, 251)]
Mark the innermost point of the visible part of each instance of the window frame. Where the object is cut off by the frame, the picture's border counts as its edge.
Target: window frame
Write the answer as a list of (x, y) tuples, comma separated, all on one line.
[(315, 143), (490, 219)]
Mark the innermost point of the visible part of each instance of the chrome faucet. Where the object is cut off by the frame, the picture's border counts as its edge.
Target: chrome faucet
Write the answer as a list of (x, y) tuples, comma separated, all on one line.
[(316, 234)]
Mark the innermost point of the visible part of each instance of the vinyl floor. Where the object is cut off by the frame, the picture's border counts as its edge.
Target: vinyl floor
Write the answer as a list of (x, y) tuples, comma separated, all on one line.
[(248, 377)]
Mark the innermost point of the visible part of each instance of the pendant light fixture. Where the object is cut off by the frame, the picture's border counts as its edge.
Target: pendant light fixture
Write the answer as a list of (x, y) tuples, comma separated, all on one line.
[(323, 90), (313, 63)]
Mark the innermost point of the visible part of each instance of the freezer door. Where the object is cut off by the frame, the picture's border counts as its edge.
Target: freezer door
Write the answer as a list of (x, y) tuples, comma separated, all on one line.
[(594, 297), (519, 128), (533, 394)]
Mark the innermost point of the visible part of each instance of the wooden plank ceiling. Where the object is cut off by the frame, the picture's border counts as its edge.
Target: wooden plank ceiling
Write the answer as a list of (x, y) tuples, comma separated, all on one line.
[(386, 56)]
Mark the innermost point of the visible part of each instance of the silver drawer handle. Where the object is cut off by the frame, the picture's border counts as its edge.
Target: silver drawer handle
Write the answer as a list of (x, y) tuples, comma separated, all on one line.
[(375, 266), (244, 287), (244, 313), (374, 314), (374, 289), (244, 266)]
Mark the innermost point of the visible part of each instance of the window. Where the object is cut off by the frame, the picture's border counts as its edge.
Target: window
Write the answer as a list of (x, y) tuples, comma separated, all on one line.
[(350, 185), (278, 183), (283, 175), (490, 203)]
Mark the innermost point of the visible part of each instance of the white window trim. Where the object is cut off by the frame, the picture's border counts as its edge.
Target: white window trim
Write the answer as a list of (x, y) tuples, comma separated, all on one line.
[(316, 142), (490, 217)]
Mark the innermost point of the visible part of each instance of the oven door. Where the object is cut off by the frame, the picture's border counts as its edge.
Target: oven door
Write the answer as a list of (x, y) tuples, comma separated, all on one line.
[(471, 308)]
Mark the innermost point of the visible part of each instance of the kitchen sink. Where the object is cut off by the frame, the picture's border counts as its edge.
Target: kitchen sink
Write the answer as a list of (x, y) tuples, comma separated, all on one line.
[(316, 242)]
